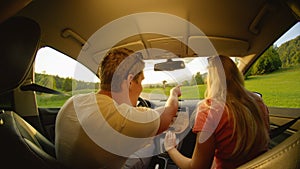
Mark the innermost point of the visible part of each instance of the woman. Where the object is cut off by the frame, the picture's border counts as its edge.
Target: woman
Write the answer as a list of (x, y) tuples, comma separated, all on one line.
[(232, 123)]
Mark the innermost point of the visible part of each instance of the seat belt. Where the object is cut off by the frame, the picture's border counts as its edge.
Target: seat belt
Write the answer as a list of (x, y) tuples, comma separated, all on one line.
[(277, 131)]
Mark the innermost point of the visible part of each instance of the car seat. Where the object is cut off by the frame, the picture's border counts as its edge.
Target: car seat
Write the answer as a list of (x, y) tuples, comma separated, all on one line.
[(24, 147), (21, 145), (285, 155)]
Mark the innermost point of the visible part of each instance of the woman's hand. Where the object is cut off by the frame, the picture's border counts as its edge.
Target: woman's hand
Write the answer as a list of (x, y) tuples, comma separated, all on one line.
[(170, 141)]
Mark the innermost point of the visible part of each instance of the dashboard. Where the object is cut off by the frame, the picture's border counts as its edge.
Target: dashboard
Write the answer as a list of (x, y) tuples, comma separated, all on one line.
[(182, 126)]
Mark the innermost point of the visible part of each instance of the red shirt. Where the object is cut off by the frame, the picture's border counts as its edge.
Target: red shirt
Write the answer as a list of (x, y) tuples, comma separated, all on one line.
[(217, 121)]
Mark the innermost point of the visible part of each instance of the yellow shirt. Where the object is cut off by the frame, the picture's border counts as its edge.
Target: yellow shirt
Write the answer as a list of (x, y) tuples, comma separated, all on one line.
[(93, 131)]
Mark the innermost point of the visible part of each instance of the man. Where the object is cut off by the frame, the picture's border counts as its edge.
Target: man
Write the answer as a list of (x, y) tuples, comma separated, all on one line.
[(101, 130)]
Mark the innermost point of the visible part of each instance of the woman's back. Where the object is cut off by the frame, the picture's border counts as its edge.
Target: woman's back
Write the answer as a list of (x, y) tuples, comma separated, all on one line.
[(215, 118)]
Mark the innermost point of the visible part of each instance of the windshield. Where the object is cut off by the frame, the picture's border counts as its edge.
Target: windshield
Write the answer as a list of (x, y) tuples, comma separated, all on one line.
[(157, 84)]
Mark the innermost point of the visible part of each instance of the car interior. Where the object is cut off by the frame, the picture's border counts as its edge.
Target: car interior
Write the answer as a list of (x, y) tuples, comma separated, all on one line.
[(243, 29)]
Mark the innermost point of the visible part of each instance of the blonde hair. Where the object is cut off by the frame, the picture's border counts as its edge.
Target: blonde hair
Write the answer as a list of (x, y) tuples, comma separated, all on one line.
[(226, 85), (117, 65)]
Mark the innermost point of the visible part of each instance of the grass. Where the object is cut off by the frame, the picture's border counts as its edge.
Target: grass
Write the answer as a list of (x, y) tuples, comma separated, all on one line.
[(279, 89), (54, 101)]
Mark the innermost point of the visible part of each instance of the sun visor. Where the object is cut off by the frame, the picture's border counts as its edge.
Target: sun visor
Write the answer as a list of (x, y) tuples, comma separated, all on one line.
[(92, 58), (207, 46), (173, 45)]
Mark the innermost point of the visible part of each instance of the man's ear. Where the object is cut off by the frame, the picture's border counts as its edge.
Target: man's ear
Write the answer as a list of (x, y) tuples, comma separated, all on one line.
[(129, 79)]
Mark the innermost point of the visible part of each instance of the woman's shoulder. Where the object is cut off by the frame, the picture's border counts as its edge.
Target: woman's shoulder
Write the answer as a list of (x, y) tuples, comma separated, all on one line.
[(210, 103)]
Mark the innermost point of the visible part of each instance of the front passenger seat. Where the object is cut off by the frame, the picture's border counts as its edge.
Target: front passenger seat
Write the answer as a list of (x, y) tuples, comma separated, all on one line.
[(285, 155)]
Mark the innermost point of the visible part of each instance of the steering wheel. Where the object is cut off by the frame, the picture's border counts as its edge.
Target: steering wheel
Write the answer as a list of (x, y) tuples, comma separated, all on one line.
[(143, 103)]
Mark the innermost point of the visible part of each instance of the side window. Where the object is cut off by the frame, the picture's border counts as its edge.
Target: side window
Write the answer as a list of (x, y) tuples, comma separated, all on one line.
[(56, 71), (276, 74)]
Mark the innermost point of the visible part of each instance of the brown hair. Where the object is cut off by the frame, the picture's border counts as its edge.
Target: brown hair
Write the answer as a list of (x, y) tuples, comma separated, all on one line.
[(116, 66)]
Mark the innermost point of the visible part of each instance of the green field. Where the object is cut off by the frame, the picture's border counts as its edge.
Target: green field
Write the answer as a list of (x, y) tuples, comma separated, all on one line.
[(55, 101), (279, 89)]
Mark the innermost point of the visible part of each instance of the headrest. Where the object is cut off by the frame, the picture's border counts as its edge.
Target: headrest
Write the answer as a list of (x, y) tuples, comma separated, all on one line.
[(19, 40)]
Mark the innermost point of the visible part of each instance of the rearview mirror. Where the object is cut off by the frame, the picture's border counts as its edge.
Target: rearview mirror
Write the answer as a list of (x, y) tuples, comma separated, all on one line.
[(169, 65)]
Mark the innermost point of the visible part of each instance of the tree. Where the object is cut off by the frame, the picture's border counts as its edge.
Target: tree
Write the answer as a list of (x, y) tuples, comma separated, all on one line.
[(46, 81), (185, 83), (59, 81), (164, 84), (198, 78), (67, 84), (289, 52), (267, 63)]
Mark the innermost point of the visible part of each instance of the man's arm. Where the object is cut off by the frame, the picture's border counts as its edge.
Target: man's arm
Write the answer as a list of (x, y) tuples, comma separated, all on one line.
[(168, 112)]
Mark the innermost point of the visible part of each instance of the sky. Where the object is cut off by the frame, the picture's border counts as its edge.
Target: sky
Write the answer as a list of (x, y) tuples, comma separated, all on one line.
[(51, 62), (291, 34)]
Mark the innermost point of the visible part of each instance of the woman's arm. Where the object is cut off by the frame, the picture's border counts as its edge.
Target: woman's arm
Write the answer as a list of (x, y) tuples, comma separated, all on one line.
[(203, 153)]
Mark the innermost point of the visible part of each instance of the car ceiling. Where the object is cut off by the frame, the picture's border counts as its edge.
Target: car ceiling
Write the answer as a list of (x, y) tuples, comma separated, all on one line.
[(235, 28)]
